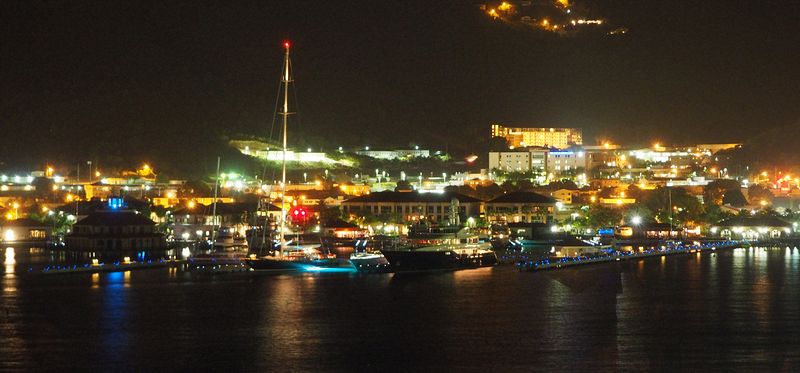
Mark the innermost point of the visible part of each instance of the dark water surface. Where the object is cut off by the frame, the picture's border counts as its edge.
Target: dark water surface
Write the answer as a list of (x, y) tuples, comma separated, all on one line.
[(733, 310)]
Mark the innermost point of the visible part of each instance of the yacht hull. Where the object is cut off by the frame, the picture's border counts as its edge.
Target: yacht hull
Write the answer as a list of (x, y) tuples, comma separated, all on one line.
[(412, 260)]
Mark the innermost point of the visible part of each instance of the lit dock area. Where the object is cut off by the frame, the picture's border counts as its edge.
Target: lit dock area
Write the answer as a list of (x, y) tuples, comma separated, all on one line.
[(617, 256)]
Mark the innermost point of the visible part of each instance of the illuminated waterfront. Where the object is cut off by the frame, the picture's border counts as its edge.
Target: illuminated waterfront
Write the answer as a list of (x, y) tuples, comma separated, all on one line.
[(734, 309)]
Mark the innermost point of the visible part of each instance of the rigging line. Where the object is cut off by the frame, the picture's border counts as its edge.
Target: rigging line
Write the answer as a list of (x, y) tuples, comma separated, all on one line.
[(296, 104), (275, 112)]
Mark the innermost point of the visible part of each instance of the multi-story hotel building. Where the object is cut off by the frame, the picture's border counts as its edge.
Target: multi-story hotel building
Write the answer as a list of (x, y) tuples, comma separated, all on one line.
[(560, 138)]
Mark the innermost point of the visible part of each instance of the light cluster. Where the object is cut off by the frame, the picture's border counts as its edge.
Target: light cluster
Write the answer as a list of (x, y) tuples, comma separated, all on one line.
[(557, 16)]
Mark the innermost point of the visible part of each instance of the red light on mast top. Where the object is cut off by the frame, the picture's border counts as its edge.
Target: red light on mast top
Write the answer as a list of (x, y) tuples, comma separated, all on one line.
[(286, 44)]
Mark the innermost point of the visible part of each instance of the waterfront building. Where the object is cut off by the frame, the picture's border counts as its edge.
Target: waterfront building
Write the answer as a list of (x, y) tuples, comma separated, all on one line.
[(197, 221), (752, 227), (24, 231), (560, 138), (409, 206), (115, 228), (526, 207), (341, 229), (82, 209)]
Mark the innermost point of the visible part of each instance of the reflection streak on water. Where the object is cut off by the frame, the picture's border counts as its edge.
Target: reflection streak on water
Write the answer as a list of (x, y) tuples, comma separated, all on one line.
[(284, 310), (10, 261)]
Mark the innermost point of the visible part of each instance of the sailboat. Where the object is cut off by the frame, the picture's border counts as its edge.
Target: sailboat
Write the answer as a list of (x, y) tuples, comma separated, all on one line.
[(284, 260)]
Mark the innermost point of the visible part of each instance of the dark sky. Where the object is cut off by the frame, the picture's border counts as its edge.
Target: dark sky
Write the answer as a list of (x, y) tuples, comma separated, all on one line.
[(117, 75)]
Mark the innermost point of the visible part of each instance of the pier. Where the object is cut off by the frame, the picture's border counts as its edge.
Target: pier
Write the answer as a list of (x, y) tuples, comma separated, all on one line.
[(618, 256)]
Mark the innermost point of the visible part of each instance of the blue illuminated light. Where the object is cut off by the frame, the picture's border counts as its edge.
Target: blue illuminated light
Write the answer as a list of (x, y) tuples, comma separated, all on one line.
[(115, 203)]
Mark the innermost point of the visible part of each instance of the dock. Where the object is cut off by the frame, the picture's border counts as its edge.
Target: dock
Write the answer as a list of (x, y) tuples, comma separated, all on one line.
[(618, 256), (104, 267)]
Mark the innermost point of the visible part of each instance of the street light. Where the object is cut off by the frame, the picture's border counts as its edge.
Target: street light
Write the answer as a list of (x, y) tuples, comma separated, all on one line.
[(636, 220)]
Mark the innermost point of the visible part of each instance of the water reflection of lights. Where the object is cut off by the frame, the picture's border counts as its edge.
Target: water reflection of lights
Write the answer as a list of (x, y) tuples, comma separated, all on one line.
[(473, 274), (95, 280), (10, 260)]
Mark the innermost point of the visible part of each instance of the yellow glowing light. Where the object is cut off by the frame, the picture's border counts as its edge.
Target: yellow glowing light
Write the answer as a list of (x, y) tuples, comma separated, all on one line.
[(9, 235), (493, 13), (15, 205), (505, 6), (45, 209), (763, 202), (191, 204), (146, 167), (713, 170), (70, 197), (764, 174), (9, 216), (545, 23), (97, 173), (563, 3)]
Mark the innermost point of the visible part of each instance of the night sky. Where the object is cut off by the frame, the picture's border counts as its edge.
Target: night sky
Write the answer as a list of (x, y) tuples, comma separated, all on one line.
[(117, 78)]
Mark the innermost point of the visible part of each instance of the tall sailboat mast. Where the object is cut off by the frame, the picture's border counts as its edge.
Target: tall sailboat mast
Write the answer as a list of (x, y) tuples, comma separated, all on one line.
[(286, 79)]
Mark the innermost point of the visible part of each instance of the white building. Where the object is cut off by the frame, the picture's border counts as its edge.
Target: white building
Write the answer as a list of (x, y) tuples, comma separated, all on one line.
[(531, 159), (395, 154), (562, 161)]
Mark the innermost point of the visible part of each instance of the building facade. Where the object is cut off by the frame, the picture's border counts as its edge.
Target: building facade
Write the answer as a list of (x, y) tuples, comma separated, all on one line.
[(412, 206), (566, 161), (531, 159), (119, 230), (24, 230), (521, 207), (539, 136)]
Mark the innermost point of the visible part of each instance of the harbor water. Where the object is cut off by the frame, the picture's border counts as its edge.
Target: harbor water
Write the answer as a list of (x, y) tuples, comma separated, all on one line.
[(732, 310)]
